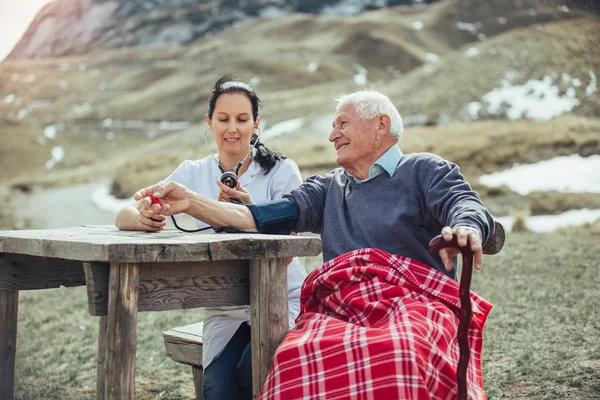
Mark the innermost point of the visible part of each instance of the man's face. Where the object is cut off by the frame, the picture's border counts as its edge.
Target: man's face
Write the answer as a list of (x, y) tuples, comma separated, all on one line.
[(354, 139)]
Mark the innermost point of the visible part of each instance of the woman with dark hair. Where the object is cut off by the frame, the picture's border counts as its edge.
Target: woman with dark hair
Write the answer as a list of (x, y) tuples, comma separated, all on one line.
[(263, 175)]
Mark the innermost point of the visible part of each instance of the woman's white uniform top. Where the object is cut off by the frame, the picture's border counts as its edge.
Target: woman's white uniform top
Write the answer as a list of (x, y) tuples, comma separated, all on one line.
[(221, 323)]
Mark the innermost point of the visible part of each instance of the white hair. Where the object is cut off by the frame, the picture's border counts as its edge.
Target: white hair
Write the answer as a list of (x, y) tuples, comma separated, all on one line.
[(370, 104)]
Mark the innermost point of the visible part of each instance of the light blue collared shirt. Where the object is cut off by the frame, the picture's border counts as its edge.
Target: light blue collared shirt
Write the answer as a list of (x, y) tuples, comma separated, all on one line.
[(386, 163)]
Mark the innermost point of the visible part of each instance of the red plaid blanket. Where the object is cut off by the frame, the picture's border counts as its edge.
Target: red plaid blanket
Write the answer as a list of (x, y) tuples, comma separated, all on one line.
[(376, 326)]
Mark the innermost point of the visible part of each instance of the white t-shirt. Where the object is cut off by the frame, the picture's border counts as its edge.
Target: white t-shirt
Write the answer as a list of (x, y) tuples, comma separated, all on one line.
[(221, 323)]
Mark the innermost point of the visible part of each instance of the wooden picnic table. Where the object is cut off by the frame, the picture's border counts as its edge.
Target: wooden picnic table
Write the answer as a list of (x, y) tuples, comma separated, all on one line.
[(126, 272)]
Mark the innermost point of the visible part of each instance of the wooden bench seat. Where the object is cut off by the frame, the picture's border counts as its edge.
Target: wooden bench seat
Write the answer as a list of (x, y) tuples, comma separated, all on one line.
[(184, 345)]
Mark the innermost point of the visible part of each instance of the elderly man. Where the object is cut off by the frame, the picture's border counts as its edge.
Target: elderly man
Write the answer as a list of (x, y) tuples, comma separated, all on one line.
[(379, 319)]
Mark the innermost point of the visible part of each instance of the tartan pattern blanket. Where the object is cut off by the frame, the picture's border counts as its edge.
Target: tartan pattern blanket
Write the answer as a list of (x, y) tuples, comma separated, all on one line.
[(376, 326)]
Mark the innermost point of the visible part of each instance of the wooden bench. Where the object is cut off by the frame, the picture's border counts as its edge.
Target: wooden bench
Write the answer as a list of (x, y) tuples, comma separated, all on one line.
[(184, 345)]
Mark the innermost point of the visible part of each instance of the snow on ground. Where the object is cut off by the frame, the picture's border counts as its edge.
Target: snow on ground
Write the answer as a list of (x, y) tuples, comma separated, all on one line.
[(282, 128), (540, 100), (361, 75), (567, 174), (58, 153), (102, 198), (550, 223)]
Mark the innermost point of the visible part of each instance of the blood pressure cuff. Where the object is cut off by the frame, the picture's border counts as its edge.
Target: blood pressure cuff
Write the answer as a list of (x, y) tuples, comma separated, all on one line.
[(278, 217)]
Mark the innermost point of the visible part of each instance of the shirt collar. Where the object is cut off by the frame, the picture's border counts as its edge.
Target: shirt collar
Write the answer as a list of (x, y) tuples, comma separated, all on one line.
[(386, 163)]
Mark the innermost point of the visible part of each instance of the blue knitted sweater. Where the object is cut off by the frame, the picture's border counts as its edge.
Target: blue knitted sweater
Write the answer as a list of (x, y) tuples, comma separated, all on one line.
[(399, 214)]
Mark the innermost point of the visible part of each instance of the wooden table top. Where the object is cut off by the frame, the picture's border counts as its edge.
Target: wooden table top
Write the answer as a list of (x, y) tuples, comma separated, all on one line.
[(106, 243)]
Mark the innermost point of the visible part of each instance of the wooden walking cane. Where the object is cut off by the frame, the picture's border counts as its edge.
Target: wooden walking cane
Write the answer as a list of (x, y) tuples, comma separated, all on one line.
[(492, 246)]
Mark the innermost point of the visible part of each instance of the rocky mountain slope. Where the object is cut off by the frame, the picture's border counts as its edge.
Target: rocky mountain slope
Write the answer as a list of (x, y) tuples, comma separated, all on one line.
[(66, 119)]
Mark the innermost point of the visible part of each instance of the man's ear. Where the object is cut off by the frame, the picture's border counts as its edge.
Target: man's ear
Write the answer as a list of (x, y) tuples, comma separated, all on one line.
[(207, 118), (257, 122), (384, 124)]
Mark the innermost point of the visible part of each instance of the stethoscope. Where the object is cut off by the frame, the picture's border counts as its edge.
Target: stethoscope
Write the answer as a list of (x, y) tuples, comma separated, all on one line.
[(229, 178)]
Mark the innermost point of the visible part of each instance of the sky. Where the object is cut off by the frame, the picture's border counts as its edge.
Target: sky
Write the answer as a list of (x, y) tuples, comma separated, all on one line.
[(15, 17)]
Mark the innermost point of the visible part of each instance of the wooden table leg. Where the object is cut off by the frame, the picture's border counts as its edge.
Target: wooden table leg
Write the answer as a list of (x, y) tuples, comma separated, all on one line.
[(121, 326), (101, 361), (269, 314), (9, 307)]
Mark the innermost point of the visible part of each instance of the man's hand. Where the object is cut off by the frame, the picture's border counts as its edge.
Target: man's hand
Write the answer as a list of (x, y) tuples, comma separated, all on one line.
[(175, 198), (464, 235)]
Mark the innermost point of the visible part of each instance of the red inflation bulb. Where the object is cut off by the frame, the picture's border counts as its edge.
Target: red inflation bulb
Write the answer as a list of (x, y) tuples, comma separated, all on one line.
[(154, 200)]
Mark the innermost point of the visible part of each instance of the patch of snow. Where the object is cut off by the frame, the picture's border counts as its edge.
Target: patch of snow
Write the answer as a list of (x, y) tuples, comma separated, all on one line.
[(567, 174), (343, 8), (134, 124), (481, 37), (81, 109), (173, 125), (512, 74), (10, 98), (50, 132), (361, 75), (472, 52), (593, 85), (576, 82), (537, 100), (312, 67), (110, 135), (102, 198), (282, 128), (58, 153), (272, 12), (550, 223), (30, 78), (14, 77), (563, 8), (41, 140), (466, 26), (502, 20), (473, 108), (107, 123), (22, 113), (417, 25), (254, 81), (432, 57)]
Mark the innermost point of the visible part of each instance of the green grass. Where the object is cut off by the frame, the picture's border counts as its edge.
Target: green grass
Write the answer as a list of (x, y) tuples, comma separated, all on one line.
[(541, 338)]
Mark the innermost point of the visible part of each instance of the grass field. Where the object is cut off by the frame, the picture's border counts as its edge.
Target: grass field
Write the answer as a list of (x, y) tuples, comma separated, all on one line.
[(541, 339)]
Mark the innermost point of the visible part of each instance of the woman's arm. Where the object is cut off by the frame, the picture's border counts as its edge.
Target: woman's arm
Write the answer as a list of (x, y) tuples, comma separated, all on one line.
[(136, 217)]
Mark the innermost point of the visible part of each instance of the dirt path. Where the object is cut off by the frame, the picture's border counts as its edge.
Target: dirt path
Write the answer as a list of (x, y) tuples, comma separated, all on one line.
[(60, 207)]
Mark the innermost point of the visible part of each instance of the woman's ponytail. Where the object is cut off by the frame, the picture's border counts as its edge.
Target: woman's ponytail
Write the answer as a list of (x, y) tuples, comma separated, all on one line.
[(266, 158)]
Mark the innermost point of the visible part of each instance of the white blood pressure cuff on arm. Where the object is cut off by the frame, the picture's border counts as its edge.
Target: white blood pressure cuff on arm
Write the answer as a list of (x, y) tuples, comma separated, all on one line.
[(278, 217)]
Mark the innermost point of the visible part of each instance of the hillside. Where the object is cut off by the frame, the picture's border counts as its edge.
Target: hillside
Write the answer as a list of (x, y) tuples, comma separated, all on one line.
[(75, 118)]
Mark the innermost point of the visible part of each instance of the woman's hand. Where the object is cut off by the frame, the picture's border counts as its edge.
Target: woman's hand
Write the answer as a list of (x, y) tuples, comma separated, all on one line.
[(239, 193), (150, 220), (175, 198)]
